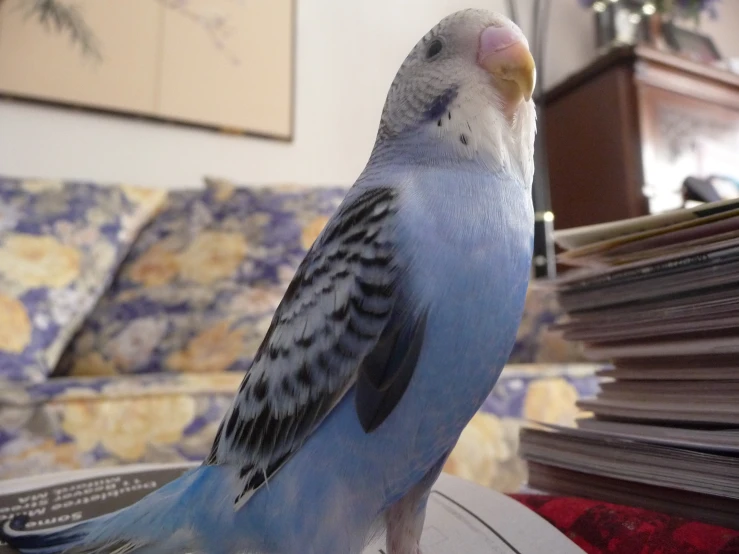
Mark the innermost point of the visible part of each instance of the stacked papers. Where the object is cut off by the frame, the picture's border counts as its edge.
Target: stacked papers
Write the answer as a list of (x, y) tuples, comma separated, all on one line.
[(656, 298)]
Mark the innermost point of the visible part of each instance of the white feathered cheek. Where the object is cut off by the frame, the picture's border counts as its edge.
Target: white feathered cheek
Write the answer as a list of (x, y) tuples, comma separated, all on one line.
[(475, 126)]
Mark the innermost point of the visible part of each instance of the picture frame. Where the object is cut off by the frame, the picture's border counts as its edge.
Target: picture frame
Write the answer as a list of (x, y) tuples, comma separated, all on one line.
[(690, 44), (239, 81)]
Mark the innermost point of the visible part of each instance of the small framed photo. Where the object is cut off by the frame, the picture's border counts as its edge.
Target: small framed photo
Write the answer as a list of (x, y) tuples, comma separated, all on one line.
[(697, 47)]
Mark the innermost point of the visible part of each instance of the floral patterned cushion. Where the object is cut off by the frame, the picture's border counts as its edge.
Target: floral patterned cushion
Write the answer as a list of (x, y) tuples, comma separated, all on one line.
[(198, 290), (60, 244), (72, 423), (487, 450), (535, 342)]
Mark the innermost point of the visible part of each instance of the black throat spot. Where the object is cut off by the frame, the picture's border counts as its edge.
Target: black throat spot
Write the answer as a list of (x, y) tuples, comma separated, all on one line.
[(440, 104)]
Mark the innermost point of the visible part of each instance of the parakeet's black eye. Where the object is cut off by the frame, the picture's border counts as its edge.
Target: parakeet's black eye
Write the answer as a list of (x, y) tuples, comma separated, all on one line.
[(434, 48)]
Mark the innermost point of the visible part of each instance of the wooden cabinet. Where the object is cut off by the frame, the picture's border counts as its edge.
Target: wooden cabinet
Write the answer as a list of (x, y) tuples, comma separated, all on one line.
[(623, 133)]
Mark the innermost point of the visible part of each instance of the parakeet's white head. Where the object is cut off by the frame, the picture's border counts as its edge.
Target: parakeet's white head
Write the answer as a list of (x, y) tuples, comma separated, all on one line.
[(467, 86)]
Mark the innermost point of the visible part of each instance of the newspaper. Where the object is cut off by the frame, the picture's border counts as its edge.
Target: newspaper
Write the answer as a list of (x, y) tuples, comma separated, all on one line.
[(612, 233), (686, 472), (461, 516)]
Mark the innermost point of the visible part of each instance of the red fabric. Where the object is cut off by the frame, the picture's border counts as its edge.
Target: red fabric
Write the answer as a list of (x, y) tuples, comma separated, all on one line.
[(602, 528)]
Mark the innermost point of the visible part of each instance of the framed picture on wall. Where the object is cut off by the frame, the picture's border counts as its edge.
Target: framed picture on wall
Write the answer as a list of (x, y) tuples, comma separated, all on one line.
[(226, 65), (690, 44)]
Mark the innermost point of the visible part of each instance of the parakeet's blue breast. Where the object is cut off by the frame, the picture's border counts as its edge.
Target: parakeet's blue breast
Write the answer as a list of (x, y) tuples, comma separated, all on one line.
[(470, 234)]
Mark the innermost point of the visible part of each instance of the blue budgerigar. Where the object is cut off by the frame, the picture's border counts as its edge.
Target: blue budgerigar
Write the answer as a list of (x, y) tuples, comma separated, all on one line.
[(388, 339)]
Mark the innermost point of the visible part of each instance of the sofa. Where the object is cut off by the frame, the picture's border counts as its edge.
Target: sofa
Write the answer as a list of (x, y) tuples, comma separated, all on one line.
[(129, 315)]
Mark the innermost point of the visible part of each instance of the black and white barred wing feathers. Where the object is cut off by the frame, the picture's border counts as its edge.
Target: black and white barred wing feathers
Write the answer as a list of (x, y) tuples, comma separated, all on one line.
[(344, 320)]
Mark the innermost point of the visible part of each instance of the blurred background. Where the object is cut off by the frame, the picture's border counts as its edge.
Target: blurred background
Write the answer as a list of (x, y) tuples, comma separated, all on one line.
[(166, 164), (634, 98), (345, 55)]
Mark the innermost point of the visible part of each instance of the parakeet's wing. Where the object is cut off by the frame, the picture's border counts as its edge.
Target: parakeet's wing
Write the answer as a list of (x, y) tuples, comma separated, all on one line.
[(345, 319)]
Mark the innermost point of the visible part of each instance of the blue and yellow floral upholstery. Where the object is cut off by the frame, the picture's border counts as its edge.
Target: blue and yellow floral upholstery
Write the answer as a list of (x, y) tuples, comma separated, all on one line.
[(71, 423), (199, 288), (487, 450), (60, 244), (536, 343), (154, 365)]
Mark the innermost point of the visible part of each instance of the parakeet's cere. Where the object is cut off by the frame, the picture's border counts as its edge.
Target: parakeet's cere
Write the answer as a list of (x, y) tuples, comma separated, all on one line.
[(387, 341)]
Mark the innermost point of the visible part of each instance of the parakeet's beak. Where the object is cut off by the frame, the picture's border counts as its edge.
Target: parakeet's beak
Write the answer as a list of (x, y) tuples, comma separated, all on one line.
[(504, 53)]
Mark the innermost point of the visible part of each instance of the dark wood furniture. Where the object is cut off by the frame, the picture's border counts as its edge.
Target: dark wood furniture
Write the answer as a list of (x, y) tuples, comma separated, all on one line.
[(623, 133)]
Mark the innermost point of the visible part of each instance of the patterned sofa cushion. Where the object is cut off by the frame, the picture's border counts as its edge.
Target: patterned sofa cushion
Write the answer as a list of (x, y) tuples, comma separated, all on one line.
[(200, 286), (487, 450), (60, 244), (72, 423), (535, 342)]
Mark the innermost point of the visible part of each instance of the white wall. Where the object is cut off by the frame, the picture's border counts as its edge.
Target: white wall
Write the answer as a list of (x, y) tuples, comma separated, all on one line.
[(348, 52)]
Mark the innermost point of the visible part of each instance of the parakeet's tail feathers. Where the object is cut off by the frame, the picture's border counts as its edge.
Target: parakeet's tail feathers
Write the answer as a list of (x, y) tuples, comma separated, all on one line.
[(73, 539), (89, 537), (160, 523)]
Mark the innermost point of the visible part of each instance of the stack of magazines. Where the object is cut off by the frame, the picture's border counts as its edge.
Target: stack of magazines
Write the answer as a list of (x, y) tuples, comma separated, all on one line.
[(657, 299)]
